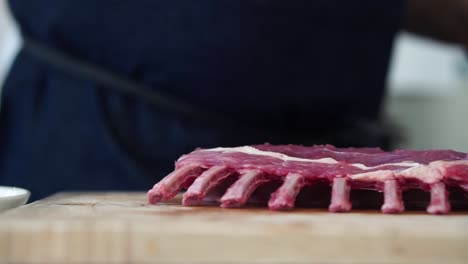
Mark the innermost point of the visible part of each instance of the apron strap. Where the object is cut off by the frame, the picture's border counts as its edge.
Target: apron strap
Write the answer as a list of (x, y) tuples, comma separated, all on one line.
[(355, 131), (88, 71)]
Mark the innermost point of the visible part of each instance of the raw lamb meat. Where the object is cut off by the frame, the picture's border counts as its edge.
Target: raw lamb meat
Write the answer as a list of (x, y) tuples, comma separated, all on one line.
[(294, 167)]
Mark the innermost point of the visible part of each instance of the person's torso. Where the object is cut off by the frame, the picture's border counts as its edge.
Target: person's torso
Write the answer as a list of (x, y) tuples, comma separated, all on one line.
[(285, 61)]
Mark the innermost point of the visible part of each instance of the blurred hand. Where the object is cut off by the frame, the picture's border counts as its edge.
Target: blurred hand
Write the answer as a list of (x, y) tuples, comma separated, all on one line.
[(445, 20)]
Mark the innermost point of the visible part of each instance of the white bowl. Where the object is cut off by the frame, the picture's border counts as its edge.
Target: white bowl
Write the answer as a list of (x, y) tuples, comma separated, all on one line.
[(11, 197)]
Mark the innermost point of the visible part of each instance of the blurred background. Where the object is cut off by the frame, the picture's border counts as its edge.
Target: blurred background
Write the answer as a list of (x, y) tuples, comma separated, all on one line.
[(427, 95)]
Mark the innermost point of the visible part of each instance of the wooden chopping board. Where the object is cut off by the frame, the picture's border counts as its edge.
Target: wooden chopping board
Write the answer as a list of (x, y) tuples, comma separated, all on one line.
[(122, 228)]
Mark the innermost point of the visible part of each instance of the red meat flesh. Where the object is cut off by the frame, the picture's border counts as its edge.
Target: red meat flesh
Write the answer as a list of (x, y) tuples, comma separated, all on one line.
[(295, 167)]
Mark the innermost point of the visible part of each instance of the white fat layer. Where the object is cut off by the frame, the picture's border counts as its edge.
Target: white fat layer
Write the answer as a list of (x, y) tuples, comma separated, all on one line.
[(284, 157), (380, 175), (426, 173)]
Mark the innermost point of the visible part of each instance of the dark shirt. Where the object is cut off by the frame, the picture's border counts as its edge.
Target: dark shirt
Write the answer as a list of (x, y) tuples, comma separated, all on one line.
[(301, 66)]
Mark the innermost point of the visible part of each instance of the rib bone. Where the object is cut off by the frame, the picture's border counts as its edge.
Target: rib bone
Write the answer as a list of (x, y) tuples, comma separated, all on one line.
[(392, 198), (204, 183), (238, 194), (173, 183), (340, 196), (439, 199), (285, 197)]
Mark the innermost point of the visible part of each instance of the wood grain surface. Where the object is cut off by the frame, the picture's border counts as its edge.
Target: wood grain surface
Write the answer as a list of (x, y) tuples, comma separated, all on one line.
[(123, 228)]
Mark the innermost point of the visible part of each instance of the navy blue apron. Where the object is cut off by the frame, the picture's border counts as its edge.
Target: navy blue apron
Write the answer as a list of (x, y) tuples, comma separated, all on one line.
[(165, 77)]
